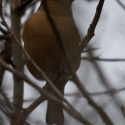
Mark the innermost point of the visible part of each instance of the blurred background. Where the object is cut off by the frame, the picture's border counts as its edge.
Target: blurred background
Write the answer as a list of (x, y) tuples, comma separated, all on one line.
[(108, 44)]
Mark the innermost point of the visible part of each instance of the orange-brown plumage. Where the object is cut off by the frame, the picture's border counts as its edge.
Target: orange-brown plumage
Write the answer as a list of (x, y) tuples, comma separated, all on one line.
[(41, 44)]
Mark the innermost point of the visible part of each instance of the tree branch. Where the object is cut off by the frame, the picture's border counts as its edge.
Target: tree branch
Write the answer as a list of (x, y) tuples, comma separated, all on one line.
[(102, 59)]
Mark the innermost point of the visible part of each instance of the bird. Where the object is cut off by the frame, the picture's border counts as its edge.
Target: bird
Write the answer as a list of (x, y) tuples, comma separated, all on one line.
[(42, 45)]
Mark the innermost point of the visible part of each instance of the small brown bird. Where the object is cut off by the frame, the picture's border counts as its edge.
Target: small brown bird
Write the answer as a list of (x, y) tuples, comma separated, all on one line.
[(41, 43)]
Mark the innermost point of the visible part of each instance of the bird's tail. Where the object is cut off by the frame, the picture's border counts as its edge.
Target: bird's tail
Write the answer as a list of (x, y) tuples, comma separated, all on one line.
[(54, 113)]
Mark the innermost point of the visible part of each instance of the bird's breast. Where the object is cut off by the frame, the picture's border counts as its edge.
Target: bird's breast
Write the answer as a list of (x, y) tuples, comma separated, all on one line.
[(42, 45)]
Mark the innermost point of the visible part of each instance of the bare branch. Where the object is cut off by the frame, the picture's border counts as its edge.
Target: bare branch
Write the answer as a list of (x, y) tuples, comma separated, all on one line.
[(121, 4), (111, 91), (102, 59)]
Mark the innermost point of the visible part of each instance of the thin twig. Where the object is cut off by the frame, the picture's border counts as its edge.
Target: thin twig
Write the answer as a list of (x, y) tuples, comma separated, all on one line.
[(111, 91), (103, 79), (121, 4), (102, 59), (6, 98), (91, 49)]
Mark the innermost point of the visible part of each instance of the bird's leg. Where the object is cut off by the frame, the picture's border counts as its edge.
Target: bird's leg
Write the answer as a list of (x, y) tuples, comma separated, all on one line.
[(62, 68)]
